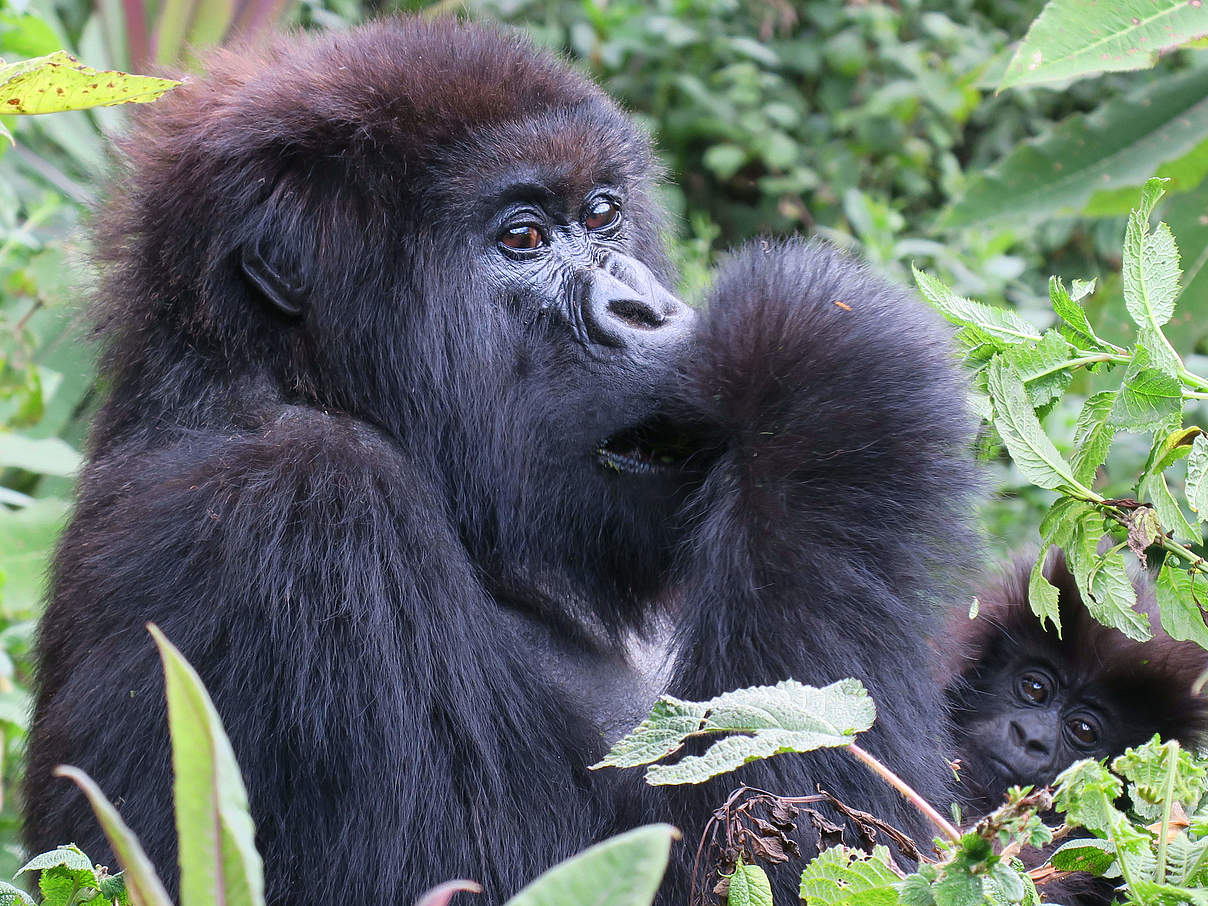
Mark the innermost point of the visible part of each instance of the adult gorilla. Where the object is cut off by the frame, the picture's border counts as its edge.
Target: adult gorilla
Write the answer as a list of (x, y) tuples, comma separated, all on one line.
[(409, 450)]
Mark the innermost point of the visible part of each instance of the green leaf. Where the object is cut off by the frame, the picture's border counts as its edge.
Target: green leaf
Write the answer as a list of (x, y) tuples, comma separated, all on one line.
[(623, 871), (1121, 143), (218, 858), (840, 876), (1043, 597), (1041, 366), (749, 886), (787, 717), (1197, 477), (1093, 435), (141, 881), (1148, 399), (1077, 329), (69, 856), (1074, 38), (1089, 854), (1107, 592), (998, 324), (1178, 604), (1150, 272), (45, 456), (1161, 773), (60, 82), (14, 896), (1035, 455)]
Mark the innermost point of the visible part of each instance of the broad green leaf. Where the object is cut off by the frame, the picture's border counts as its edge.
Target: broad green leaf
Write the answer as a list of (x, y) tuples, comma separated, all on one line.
[(218, 859), (1042, 367), (142, 883), (1120, 144), (27, 538), (1035, 455), (45, 456), (1087, 854), (1001, 325), (622, 871), (1148, 399), (749, 886), (1197, 477), (786, 717), (1150, 271), (61, 82), (1093, 436), (840, 876), (1179, 594), (1087, 792), (69, 856), (1075, 38)]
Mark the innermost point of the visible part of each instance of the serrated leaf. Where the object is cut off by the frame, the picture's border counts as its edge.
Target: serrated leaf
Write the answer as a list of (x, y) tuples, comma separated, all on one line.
[(1150, 272), (622, 871), (1035, 455), (999, 324), (1161, 773), (749, 886), (840, 876), (60, 82), (142, 883), (1119, 144), (1088, 854), (14, 896), (786, 717), (1197, 477), (1080, 289), (69, 856), (1185, 859), (1073, 38), (1107, 592), (1076, 328), (1179, 594), (218, 858), (1042, 367), (1148, 399), (1043, 596), (1093, 436)]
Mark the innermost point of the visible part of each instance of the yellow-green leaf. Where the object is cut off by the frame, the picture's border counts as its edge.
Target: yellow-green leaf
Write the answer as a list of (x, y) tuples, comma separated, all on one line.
[(60, 82)]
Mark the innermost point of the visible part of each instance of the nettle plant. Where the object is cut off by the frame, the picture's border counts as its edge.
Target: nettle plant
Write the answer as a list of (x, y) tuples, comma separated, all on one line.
[(1022, 371)]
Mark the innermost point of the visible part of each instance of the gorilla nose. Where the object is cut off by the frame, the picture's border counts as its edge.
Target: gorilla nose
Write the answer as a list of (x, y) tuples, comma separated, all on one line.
[(1031, 743), (624, 305)]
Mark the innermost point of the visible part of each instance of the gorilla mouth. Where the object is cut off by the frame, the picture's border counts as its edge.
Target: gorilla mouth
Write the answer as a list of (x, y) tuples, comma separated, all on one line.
[(654, 446)]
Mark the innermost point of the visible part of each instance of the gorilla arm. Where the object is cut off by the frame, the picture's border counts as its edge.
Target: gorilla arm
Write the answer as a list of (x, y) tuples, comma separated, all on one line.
[(305, 570), (839, 501)]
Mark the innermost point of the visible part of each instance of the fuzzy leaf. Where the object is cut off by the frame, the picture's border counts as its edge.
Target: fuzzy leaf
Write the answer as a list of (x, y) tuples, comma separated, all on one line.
[(1179, 595), (1197, 477), (1148, 398), (14, 896), (1001, 325), (1077, 329), (787, 717), (840, 876), (1103, 580), (749, 886), (1041, 366), (1035, 455), (1090, 854), (1043, 596), (1093, 435)]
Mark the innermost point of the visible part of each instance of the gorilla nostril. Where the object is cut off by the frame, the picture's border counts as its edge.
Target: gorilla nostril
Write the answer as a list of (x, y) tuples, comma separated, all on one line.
[(635, 314), (1016, 735)]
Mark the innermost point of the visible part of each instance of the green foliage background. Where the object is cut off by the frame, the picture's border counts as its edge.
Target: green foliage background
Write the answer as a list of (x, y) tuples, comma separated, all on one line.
[(872, 123)]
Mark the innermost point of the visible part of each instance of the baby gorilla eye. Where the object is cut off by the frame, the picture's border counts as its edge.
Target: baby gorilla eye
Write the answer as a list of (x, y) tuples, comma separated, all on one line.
[(523, 238), (1034, 688), (1083, 731), (603, 213)]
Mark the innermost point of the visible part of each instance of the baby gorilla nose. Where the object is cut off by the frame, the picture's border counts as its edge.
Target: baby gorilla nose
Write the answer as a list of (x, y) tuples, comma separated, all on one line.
[(625, 306)]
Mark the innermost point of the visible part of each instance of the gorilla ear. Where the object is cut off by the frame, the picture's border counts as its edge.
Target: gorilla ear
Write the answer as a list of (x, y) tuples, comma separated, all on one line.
[(284, 292)]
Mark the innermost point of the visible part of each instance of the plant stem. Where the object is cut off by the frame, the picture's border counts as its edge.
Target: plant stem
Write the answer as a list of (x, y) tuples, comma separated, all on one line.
[(906, 790), (1172, 757)]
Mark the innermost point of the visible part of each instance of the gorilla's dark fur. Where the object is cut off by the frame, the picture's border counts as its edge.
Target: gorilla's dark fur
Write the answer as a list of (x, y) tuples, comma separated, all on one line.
[(438, 498)]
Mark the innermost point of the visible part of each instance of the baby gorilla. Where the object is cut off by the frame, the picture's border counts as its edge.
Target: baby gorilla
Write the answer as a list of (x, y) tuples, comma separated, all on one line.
[(1027, 703)]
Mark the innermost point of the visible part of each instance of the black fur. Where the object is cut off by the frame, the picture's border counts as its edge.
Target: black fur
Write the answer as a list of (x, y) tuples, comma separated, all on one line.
[(382, 527)]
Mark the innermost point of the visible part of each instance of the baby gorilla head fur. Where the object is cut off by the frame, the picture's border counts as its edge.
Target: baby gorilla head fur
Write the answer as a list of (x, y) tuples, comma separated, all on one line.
[(1028, 704)]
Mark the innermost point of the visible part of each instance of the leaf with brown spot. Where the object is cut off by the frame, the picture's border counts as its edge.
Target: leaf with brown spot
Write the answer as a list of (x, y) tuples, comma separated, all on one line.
[(25, 86)]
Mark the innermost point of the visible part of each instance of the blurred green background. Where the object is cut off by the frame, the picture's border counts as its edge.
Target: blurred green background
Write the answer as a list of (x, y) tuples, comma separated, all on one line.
[(870, 123)]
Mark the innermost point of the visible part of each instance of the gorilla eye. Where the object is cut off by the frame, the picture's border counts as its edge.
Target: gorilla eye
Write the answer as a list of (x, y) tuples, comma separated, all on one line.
[(603, 213), (523, 238), (1083, 731), (1034, 688)]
